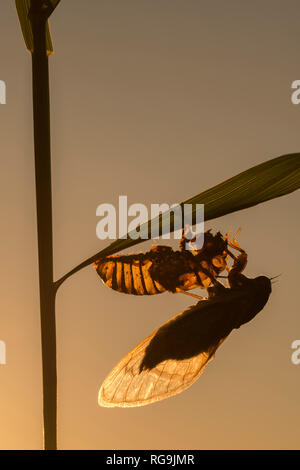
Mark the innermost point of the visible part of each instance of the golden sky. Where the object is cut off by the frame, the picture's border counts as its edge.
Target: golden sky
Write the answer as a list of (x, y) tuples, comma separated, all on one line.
[(157, 101)]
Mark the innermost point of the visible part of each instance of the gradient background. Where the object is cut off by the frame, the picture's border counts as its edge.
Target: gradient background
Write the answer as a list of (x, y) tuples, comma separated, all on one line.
[(157, 100)]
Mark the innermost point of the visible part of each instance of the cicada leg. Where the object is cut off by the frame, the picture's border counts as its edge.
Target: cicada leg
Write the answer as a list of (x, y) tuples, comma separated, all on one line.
[(226, 237), (199, 297), (234, 244), (240, 262)]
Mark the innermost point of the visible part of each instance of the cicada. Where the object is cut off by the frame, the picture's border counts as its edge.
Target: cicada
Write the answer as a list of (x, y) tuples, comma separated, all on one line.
[(174, 356), (162, 269)]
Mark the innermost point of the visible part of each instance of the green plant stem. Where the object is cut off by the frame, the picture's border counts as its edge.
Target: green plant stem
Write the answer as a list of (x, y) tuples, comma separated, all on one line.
[(41, 118)]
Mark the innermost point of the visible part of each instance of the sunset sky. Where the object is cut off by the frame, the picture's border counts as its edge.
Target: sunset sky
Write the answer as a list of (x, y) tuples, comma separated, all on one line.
[(157, 101)]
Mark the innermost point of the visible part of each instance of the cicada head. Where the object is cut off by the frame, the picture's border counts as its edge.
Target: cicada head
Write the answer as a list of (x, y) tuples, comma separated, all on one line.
[(263, 285)]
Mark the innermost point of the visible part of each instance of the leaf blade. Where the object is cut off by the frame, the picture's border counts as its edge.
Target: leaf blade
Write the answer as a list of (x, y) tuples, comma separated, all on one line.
[(271, 179)]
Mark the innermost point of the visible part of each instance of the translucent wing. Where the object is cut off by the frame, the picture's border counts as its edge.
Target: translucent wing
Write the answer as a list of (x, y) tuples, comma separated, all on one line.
[(127, 386), (172, 358)]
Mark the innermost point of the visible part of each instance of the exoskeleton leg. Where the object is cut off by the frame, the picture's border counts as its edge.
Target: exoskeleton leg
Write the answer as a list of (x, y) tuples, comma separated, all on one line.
[(239, 264), (199, 297)]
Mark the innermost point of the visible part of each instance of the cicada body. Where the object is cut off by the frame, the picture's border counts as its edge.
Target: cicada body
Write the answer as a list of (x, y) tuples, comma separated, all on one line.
[(174, 356), (162, 269)]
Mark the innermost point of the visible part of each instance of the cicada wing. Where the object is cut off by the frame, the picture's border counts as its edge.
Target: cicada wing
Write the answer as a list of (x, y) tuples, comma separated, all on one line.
[(128, 274), (133, 382)]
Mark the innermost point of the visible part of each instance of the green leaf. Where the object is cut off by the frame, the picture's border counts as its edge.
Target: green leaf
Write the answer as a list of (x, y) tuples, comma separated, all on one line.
[(271, 179), (23, 7)]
